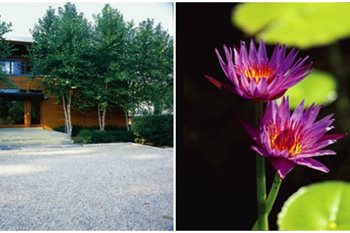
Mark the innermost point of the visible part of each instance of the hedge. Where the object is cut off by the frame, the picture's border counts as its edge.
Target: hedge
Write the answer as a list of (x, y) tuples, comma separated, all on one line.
[(84, 136), (155, 129), (77, 128), (97, 136)]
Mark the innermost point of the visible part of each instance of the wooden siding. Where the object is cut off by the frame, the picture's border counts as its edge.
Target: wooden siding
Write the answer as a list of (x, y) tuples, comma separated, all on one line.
[(52, 116), (51, 112), (23, 82)]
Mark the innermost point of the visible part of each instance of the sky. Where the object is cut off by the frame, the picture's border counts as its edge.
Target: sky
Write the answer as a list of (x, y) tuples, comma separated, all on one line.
[(24, 15)]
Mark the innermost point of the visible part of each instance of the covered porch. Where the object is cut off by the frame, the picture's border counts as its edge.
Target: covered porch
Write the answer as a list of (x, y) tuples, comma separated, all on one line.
[(20, 108)]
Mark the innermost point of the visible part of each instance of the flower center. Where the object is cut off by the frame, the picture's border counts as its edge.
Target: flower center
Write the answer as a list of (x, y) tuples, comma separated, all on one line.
[(286, 140), (257, 72)]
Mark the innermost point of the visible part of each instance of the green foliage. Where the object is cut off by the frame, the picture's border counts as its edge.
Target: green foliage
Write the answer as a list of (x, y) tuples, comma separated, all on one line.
[(16, 111), (11, 112), (152, 71), (296, 24), (111, 136), (101, 66), (5, 48), (109, 64), (60, 55), (156, 129), (107, 85), (319, 87), (77, 128), (321, 206), (84, 136), (98, 136), (121, 136), (61, 50)]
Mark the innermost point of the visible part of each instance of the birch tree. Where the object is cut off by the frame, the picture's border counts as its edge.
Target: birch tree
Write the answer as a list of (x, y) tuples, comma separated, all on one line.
[(61, 55), (110, 41), (152, 59)]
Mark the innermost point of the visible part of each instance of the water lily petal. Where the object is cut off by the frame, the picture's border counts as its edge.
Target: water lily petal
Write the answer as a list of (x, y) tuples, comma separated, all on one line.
[(282, 166), (312, 163), (257, 77)]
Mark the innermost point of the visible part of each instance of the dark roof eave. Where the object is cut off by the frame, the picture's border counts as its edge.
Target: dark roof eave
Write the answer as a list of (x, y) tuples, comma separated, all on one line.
[(20, 42)]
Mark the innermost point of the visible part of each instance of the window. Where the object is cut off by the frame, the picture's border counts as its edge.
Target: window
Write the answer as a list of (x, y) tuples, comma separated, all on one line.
[(13, 67)]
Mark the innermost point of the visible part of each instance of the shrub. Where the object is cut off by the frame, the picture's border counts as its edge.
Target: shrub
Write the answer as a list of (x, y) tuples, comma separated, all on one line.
[(156, 129), (97, 136), (84, 136), (121, 136), (59, 128), (112, 136), (77, 128), (100, 136)]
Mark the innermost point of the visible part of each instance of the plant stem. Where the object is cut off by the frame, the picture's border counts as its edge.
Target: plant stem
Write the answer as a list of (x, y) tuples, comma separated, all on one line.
[(271, 197), (261, 181), (273, 193)]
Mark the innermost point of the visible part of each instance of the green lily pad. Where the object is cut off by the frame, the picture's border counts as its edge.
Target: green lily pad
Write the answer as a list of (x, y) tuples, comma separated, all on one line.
[(318, 87), (302, 25), (321, 206)]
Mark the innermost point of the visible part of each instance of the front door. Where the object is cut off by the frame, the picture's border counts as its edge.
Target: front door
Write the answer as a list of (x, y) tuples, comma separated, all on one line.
[(34, 112), (27, 113)]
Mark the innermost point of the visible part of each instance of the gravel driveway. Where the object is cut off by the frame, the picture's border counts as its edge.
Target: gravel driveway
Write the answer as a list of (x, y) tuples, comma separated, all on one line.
[(120, 186)]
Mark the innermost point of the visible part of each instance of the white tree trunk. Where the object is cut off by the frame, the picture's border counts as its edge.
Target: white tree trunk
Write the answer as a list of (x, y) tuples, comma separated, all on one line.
[(101, 117), (69, 113), (127, 120), (65, 114), (104, 118), (66, 102)]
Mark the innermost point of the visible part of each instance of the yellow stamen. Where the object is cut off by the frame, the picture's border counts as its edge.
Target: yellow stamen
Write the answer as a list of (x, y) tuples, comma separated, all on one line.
[(258, 72), (285, 140)]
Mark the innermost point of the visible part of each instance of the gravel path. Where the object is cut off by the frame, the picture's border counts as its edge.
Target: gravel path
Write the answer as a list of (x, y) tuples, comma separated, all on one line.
[(120, 186)]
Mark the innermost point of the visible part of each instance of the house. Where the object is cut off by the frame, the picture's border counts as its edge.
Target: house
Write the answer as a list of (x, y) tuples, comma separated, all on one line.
[(24, 103)]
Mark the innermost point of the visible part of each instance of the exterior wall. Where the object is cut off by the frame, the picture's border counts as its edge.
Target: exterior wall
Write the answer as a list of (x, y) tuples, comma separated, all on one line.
[(52, 116), (51, 112), (23, 82)]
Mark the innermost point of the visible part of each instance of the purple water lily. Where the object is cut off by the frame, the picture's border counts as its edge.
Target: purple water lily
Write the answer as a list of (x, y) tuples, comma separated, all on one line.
[(288, 139), (254, 76)]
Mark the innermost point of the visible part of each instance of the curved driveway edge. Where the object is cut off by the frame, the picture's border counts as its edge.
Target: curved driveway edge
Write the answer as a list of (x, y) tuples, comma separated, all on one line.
[(119, 186)]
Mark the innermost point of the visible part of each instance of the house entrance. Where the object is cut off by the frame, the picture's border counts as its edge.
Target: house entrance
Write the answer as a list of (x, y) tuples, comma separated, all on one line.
[(19, 113), (20, 108)]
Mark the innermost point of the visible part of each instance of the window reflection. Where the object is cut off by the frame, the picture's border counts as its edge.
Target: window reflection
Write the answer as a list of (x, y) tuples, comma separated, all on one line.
[(13, 67)]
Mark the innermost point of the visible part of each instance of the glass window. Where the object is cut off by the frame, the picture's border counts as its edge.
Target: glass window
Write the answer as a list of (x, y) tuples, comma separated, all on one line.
[(12, 67), (11, 112), (6, 67), (16, 67)]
